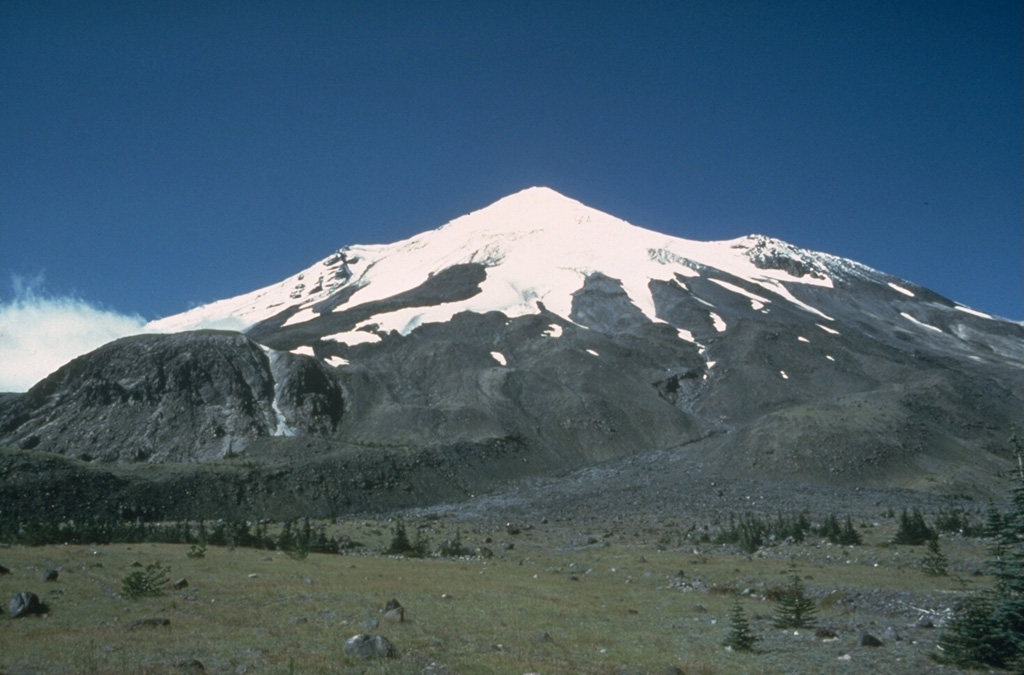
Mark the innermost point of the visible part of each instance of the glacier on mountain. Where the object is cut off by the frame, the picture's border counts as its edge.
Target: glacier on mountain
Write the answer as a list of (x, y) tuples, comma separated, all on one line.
[(537, 246)]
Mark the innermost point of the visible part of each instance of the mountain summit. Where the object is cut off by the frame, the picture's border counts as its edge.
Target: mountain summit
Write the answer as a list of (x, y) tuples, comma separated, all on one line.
[(538, 335)]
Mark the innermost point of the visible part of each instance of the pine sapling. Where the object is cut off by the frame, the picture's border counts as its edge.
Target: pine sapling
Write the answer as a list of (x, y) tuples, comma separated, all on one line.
[(793, 608), (741, 638)]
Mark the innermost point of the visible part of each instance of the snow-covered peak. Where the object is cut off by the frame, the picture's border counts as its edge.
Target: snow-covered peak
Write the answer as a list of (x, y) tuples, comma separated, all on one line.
[(538, 247)]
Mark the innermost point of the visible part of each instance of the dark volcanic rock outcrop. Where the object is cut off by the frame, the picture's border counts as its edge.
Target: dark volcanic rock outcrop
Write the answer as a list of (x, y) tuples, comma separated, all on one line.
[(182, 397)]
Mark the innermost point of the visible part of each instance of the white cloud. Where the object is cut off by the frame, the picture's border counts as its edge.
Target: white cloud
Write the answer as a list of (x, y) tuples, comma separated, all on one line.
[(40, 333)]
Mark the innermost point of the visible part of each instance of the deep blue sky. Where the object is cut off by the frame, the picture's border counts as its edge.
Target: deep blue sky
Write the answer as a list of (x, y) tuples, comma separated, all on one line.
[(157, 155)]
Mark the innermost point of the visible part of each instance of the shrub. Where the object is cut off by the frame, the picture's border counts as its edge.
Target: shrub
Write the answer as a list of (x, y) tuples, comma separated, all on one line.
[(453, 548), (150, 581)]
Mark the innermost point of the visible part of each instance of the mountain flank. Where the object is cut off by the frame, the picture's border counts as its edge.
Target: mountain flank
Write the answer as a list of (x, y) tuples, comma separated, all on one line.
[(531, 339)]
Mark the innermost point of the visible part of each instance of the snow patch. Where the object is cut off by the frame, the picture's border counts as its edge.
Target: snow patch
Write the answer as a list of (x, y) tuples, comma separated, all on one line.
[(827, 329), (968, 310), (900, 289), (499, 357), (686, 335), (302, 316), (720, 324), (803, 339), (829, 357), (757, 299), (783, 373), (779, 289), (353, 337), (553, 331), (592, 352), (919, 323), (336, 361), (303, 351)]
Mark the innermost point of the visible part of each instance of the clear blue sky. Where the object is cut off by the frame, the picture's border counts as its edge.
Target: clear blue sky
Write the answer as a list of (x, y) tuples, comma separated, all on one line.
[(157, 155)]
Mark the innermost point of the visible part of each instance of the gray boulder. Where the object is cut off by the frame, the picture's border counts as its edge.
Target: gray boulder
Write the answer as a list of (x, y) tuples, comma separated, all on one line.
[(24, 603), (49, 575), (367, 646), (869, 640)]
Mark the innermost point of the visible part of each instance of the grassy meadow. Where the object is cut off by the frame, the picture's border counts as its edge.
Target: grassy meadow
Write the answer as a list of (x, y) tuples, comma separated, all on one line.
[(553, 598)]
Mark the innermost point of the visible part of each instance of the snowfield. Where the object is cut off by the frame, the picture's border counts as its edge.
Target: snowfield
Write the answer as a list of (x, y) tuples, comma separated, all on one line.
[(560, 242)]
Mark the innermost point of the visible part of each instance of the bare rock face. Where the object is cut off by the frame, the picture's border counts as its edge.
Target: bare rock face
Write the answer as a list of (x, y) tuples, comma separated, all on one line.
[(307, 395), (367, 646), (182, 397)]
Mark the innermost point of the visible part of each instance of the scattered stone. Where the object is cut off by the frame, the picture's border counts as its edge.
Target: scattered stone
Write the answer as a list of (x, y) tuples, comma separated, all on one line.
[(369, 646), (869, 640), (436, 669), (543, 637), (844, 657), (674, 670), (700, 609), (193, 665), (392, 604), (345, 543), (156, 622), (4, 570), (49, 575), (445, 596), (825, 633), (925, 621), (484, 552), (180, 584), (684, 584), (395, 615), (890, 635), (24, 603), (297, 621)]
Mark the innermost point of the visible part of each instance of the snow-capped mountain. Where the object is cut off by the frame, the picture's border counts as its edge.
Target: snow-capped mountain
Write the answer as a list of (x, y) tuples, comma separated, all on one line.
[(539, 335), (538, 248)]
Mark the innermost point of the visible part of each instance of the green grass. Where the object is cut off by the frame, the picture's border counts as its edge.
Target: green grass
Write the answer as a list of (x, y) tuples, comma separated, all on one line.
[(547, 605)]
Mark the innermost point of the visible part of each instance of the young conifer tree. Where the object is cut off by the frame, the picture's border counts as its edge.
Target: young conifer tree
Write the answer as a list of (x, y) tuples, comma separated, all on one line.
[(793, 608), (741, 637), (988, 629)]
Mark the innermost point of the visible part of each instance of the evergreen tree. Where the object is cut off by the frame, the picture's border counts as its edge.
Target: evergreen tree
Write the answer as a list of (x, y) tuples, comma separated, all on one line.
[(400, 544), (793, 608), (913, 530), (830, 528), (849, 536), (741, 637), (988, 628), (934, 562)]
